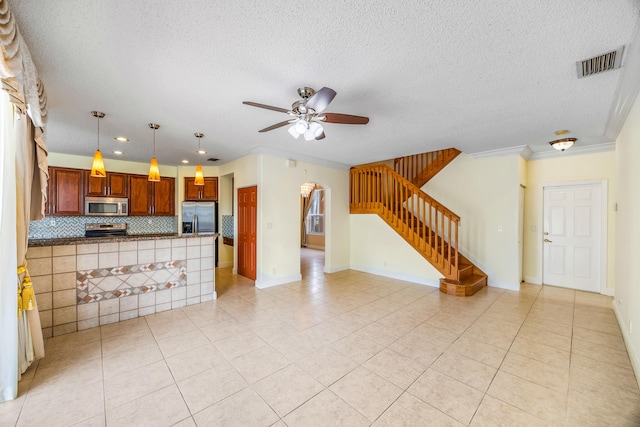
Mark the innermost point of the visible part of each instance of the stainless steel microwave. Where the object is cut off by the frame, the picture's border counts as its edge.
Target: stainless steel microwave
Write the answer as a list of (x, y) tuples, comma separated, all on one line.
[(106, 206)]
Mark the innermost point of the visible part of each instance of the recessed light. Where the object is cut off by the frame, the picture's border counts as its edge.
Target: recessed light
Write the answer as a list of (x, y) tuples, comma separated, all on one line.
[(118, 152), (185, 161), (121, 139), (201, 152)]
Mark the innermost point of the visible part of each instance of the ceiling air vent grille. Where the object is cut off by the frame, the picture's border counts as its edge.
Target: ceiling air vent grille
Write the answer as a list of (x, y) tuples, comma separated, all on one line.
[(598, 64)]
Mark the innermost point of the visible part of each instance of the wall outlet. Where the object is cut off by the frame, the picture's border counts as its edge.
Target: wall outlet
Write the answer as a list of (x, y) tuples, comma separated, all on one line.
[(52, 223), (150, 221), (533, 228)]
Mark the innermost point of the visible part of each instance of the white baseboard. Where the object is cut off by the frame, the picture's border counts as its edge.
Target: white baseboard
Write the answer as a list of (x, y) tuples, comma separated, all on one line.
[(261, 284), (414, 279), (318, 248), (633, 356), (234, 271), (335, 269), (534, 280), (505, 285)]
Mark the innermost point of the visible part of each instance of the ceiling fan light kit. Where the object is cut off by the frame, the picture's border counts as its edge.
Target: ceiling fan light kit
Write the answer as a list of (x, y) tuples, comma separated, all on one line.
[(307, 113)]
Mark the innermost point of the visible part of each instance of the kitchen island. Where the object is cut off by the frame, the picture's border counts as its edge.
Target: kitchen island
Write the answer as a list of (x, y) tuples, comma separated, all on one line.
[(81, 283)]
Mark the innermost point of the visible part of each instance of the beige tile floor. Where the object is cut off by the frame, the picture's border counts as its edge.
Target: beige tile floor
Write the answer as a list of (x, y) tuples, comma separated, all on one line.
[(342, 349)]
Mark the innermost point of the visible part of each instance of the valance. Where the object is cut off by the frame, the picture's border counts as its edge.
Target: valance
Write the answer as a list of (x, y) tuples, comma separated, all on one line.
[(18, 72)]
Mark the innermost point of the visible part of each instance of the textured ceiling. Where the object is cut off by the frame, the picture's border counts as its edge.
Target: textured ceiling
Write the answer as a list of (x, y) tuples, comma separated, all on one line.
[(478, 76)]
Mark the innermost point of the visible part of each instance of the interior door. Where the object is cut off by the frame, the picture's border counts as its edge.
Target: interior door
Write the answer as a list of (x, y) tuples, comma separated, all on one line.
[(247, 226), (572, 236)]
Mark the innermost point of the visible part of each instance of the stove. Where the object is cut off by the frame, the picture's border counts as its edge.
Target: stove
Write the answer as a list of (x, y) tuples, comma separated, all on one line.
[(105, 230)]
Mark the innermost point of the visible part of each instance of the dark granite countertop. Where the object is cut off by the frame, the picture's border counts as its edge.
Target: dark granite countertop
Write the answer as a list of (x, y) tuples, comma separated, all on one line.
[(111, 239)]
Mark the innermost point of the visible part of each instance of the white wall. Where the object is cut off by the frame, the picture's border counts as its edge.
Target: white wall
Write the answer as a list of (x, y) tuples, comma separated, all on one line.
[(484, 193), (627, 243), (564, 169), (376, 248)]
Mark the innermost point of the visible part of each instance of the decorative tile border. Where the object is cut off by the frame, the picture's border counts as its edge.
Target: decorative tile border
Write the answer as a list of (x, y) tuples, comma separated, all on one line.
[(110, 283)]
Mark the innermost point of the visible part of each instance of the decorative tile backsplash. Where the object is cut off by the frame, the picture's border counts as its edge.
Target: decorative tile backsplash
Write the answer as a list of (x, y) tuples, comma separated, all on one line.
[(73, 226), (108, 283), (227, 225)]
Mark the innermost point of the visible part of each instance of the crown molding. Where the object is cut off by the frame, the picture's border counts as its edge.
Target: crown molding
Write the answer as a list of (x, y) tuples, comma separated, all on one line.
[(573, 151), (522, 150)]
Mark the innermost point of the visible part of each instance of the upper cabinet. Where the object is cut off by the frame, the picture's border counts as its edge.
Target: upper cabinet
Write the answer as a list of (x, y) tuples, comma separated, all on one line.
[(140, 195), (164, 197), (206, 192), (114, 185), (68, 188), (65, 192), (152, 198)]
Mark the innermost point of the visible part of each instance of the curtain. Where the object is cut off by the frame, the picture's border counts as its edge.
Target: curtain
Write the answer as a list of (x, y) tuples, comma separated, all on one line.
[(24, 182), (8, 257), (306, 205)]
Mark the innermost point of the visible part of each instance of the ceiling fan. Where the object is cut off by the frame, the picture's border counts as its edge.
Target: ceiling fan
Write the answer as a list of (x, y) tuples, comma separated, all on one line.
[(308, 112)]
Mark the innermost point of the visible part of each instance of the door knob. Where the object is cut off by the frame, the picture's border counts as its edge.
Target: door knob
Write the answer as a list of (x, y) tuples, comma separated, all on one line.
[(547, 241)]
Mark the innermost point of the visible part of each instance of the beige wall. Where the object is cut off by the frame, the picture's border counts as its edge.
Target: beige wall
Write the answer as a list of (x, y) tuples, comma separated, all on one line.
[(564, 169), (279, 218), (376, 248), (484, 193), (627, 238)]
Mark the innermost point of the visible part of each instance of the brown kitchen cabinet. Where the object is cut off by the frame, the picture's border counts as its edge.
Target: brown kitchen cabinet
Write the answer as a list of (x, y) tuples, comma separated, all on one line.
[(113, 185), (65, 192), (206, 192), (151, 198), (164, 197)]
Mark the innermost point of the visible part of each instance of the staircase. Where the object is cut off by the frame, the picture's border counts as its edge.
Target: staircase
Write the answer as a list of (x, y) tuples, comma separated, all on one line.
[(428, 226)]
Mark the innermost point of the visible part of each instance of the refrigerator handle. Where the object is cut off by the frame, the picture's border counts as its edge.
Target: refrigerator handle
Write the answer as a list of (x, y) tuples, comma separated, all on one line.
[(195, 224)]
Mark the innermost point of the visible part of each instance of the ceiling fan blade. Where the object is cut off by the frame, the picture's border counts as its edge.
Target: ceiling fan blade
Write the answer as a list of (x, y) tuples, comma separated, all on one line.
[(321, 99), (268, 107), (319, 137), (346, 119), (276, 126)]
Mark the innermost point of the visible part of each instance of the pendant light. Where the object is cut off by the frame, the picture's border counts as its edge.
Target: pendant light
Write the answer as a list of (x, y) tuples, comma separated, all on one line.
[(199, 180), (97, 168), (154, 171)]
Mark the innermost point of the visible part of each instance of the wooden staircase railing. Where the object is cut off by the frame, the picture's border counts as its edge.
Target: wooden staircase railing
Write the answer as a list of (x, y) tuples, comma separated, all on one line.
[(423, 222), (420, 168)]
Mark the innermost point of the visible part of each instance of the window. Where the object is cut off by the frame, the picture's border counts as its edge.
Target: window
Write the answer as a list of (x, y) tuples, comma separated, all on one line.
[(315, 217)]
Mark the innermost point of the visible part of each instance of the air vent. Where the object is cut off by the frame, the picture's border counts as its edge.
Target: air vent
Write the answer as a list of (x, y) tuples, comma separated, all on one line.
[(212, 159), (598, 64)]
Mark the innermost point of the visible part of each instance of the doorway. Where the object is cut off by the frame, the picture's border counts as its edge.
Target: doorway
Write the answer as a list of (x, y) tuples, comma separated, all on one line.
[(247, 234), (574, 236)]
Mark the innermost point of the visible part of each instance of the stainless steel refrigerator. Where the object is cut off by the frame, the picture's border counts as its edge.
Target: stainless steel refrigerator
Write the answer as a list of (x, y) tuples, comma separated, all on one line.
[(199, 217)]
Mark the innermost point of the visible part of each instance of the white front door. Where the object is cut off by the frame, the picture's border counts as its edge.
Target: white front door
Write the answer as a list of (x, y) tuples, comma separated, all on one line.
[(572, 236)]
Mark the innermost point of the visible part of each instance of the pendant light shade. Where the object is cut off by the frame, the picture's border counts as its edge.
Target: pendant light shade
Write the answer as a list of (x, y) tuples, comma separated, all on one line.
[(97, 168), (154, 171), (199, 175), (199, 179)]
